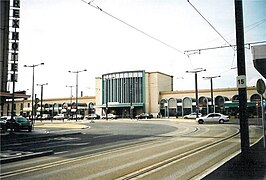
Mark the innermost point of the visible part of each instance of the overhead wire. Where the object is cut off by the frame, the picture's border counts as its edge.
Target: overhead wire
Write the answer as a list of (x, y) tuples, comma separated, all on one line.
[(92, 4), (210, 24), (220, 47), (131, 26)]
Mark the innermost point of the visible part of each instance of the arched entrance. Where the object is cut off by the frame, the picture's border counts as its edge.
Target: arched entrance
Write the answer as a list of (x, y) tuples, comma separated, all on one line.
[(172, 107), (163, 107), (187, 106), (219, 104), (204, 105), (55, 109), (255, 110), (91, 109)]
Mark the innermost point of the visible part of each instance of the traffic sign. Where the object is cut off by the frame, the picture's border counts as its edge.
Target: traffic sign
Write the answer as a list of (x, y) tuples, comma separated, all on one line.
[(260, 86), (241, 81)]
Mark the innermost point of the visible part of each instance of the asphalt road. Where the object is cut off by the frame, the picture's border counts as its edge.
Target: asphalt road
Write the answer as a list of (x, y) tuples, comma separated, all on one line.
[(126, 149)]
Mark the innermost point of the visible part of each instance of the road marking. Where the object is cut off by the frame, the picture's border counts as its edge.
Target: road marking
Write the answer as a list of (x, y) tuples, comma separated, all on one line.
[(61, 152)]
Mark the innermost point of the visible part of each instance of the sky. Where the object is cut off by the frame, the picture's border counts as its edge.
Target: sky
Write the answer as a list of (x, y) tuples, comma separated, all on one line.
[(70, 35)]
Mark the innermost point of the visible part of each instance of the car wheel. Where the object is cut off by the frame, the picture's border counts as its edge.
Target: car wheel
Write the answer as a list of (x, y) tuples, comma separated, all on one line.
[(16, 129), (4, 129), (200, 121), (30, 128), (185, 117), (221, 121)]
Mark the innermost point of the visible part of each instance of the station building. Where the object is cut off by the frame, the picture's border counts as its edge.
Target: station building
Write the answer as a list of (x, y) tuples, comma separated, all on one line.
[(129, 93)]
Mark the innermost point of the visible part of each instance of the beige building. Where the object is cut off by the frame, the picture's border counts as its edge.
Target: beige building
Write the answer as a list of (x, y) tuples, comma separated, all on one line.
[(130, 93)]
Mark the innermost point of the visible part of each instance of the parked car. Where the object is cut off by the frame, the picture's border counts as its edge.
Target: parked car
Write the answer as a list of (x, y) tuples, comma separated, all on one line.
[(44, 117), (79, 116), (3, 125), (92, 116), (59, 117), (110, 116), (20, 123), (144, 116), (192, 116), (213, 117)]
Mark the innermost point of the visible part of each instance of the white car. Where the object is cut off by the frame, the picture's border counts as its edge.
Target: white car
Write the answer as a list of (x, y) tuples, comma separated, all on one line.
[(110, 116), (213, 117), (59, 117), (92, 116), (192, 116)]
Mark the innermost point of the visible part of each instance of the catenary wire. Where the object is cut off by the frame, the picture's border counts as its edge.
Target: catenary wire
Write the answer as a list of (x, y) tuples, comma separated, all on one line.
[(210, 24), (131, 26), (220, 47)]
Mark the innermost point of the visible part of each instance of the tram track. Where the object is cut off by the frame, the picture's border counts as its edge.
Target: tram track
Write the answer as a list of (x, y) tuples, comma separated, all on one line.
[(127, 147), (167, 143), (143, 171)]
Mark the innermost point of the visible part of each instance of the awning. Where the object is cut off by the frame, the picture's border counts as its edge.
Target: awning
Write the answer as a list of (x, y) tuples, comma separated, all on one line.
[(110, 105), (236, 104)]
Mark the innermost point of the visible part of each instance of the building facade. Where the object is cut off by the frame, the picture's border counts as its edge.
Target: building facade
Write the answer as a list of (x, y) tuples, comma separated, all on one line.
[(129, 93)]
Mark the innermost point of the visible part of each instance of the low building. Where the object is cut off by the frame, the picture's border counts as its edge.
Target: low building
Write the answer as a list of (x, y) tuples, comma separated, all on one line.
[(129, 93)]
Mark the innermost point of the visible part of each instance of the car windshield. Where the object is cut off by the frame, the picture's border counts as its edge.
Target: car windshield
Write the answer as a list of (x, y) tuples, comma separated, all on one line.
[(21, 119)]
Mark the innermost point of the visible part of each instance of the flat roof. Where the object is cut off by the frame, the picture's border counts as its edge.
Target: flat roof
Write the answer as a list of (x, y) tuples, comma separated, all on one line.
[(17, 95)]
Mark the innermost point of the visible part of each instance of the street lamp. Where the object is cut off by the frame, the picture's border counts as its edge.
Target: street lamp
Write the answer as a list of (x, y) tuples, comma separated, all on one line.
[(70, 93), (32, 98), (106, 94), (42, 95), (77, 72), (211, 77), (131, 97), (196, 71)]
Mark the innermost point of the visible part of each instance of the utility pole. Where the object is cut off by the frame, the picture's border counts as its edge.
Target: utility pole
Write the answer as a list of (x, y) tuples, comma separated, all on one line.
[(32, 97), (106, 97), (211, 77), (70, 93), (42, 97), (241, 79), (196, 71), (77, 84)]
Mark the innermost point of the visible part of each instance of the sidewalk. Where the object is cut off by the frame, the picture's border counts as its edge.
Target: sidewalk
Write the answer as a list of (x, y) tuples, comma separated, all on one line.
[(251, 167)]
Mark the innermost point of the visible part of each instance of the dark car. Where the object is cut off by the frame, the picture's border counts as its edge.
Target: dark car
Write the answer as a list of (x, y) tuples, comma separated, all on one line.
[(20, 123), (92, 116), (144, 116), (3, 125)]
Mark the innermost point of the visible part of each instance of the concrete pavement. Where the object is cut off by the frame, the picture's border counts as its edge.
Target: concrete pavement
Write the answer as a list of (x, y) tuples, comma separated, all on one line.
[(253, 167), (8, 139)]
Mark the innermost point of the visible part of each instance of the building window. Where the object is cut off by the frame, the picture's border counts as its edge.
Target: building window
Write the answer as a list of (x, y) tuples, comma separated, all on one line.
[(123, 87)]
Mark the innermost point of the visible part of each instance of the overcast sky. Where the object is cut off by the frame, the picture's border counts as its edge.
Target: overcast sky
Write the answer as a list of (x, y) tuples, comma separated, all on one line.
[(70, 35)]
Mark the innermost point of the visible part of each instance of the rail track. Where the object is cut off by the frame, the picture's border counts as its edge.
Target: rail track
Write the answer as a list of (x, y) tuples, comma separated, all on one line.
[(185, 154)]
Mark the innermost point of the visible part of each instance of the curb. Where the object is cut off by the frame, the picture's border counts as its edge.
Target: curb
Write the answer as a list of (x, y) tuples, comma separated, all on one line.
[(26, 156)]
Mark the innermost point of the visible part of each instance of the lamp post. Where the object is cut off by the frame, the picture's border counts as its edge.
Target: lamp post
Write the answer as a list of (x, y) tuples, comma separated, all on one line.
[(196, 71), (32, 97), (210, 78), (42, 95), (70, 93), (106, 94), (77, 72)]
